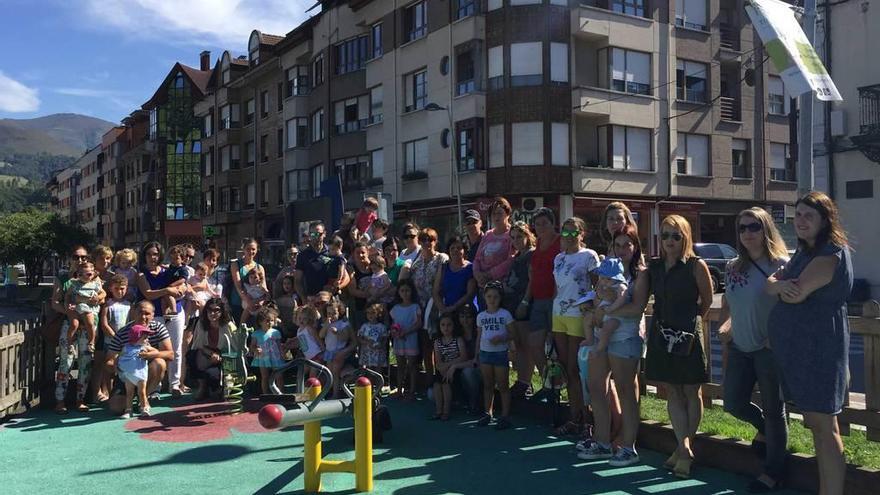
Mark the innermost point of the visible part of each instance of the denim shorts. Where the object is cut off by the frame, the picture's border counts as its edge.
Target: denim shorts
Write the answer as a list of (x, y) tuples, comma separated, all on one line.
[(630, 348), (494, 358), (540, 315)]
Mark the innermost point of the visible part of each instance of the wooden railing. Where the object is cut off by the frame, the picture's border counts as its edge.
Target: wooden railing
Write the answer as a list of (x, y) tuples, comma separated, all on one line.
[(854, 413), (23, 365)]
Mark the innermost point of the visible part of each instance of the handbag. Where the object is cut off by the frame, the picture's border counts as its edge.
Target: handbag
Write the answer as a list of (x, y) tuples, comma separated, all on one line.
[(676, 342)]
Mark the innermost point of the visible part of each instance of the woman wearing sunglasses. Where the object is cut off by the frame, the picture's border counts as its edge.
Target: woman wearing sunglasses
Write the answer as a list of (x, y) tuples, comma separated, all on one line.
[(423, 272), (411, 246), (212, 335), (682, 290), (744, 311), (572, 271)]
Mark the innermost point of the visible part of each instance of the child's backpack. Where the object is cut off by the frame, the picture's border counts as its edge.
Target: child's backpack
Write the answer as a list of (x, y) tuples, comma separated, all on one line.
[(554, 379)]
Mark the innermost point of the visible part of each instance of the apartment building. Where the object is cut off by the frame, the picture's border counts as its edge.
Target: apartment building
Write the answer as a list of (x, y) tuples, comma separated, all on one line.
[(134, 172), (108, 228), (90, 166), (63, 188)]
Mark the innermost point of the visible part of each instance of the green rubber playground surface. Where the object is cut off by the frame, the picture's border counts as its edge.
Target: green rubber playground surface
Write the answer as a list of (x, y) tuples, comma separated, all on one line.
[(193, 449)]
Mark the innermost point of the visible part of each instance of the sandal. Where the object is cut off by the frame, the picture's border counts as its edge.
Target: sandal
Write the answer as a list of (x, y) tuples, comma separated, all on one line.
[(60, 408), (80, 407), (673, 459), (569, 428), (682, 468)]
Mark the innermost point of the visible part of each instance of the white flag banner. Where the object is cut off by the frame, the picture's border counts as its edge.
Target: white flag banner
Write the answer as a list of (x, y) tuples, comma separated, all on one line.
[(791, 52)]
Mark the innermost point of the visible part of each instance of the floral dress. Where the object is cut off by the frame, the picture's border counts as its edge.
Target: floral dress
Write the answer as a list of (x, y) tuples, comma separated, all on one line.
[(375, 354)]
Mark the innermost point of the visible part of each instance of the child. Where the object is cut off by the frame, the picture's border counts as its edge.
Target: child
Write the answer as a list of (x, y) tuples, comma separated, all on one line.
[(133, 369), (336, 334), (255, 288), (373, 339), (611, 291), (492, 345), (449, 350), (366, 215), (380, 283), (176, 277), (265, 347), (336, 266), (125, 261), (406, 316), (287, 305), (380, 228), (307, 337), (199, 290), (114, 316), (82, 289)]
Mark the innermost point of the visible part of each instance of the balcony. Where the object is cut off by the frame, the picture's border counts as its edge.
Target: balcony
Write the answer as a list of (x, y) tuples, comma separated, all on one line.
[(729, 36), (614, 107), (615, 28), (868, 140), (730, 109)]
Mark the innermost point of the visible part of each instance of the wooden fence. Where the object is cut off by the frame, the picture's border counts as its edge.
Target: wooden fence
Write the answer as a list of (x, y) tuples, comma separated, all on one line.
[(24, 369), (865, 413)]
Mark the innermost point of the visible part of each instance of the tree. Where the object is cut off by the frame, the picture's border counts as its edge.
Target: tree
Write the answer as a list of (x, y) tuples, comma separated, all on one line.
[(32, 237)]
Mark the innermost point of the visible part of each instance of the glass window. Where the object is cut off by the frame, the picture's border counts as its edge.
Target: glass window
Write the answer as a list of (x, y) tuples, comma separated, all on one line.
[(279, 142), (250, 109), (351, 55), (692, 154), (318, 125), (464, 8), (377, 159), (690, 81), (527, 141), (415, 155), (781, 165), (264, 104), (741, 158), (465, 73), (631, 7), (264, 148), (376, 37), (415, 21), (318, 71), (559, 139), (250, 153), (559, 62), (207, 125), (494, 4), (496, 146), (630, 71), (264, 193), (691, 14), (376, 105), (470, 146), (317, 176), (777, 101), (496, 67), (416, 90), (624, 148), (526, 64), (298, 81)]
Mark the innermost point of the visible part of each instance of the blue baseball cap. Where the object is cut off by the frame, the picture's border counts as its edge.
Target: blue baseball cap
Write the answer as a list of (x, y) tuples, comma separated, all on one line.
[(611, 268)]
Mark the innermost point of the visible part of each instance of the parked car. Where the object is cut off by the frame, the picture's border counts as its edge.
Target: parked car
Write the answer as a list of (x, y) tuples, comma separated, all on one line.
[(716, 256)]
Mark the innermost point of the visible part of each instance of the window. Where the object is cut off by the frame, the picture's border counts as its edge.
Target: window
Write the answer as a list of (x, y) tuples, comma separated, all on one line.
[(465, 73), (178, 81), (351, 55), (631, 7), (630, 71), (377, 159), (249, 195), (496, 67), (415, 21), (279, 97), (208, 162), (297, 81), (264, 104), (299, 185), (279, 191), (526, 64), (353, 171), (624, 148), (781, 164), (250, 109), (229, 116), (559, 138), (777, 101), (234, 199), (250, 153), (524, 2), (264, 192), (416, 87), (559, 62), (527, 142), (690, 81), (207, 125), (254, 50), (376, 40), (494, 4), (464, 8), (225, 76), (179, 148), (691, 14), (352, 114), (224, 199), (264, 148), (208, 206), (376, 105), (318, 126), (318, 71), (317, 175), (496, 146), (740, 159), (859, 189), (297, 132), (196, 147), (692, 154), (234, 156), (279, 142), (470, 145), (415, 155)]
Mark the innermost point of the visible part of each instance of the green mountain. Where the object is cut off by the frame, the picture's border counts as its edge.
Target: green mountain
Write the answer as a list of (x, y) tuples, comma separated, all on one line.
[(58, 134)]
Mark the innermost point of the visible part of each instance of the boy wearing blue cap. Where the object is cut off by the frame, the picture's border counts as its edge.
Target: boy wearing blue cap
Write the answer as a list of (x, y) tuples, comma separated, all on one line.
[(611, 291)]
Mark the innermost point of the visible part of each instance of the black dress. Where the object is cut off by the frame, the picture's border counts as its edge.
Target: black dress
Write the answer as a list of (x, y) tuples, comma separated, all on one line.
[(676, 298)]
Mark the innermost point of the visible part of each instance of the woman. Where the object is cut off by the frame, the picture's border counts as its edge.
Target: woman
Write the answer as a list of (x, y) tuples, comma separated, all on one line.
[(538, 299), (239, 270), (359, 271), (289, 270), (100, 379), (152, 282), (523, 241), (809, 332), (572, 272), (745, 308), (494, 256), (213, 334), (423, 272), (620, 360), (616, 216), (454, 285), (412, 247), (395, 266), (682, 290)]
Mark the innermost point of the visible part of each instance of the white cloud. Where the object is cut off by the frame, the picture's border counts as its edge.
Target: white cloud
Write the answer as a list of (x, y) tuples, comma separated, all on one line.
[(199, 22), (16, 97), (121, 99)]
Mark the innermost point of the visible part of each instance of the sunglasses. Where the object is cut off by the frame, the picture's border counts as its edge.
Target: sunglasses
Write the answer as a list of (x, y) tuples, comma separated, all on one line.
[(671, 235), (426, 239), (315, 235), (79, 257), (409, 236), (570, 233), (750, 227), (215, 310)]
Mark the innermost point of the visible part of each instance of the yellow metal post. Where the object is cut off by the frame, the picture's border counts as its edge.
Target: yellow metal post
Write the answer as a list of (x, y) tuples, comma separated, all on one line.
[(312, 446), (363, 435)]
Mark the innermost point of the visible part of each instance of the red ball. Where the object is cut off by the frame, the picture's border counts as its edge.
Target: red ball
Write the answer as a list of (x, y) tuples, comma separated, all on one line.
[(364, 382), (270, 416), (313, 382)]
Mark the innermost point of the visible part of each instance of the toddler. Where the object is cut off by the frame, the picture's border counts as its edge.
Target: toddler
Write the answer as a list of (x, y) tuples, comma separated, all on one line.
[(255, 288), (336, 267), (177, 276), (287, 304), (336, 334), (373, 339), (114, 316), (199, 290), (611, 292), (265, 347), (82, 289), (366, 215), (125, 261), (379, 287), (133, 369), (307, 336)]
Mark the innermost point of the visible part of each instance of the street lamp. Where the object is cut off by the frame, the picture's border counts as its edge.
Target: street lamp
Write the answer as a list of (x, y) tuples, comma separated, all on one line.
[(433, 107)]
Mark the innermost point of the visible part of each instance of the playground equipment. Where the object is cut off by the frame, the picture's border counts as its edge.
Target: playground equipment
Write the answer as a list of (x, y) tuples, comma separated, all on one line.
[(235, 370), (309, 408)]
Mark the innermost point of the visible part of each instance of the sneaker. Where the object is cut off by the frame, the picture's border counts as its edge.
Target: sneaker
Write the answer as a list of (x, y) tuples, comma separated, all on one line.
[(145, 412), (595, 451), (584, 445), (126, 414), (484, 420), (503, 423), (153, 396), (624, 457), (519, 390)]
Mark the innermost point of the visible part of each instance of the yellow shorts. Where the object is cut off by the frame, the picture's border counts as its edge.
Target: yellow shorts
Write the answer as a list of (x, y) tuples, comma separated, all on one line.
[(569, 325)]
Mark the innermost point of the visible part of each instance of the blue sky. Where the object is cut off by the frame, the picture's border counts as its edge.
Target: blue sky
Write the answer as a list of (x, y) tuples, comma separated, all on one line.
[(105, 58)]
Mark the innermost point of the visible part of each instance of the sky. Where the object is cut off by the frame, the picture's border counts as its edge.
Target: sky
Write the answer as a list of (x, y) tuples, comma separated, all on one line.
[(105, 58)]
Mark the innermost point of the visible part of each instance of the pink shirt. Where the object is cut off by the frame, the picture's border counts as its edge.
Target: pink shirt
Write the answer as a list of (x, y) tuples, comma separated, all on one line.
[(495, 255), (364, 220)]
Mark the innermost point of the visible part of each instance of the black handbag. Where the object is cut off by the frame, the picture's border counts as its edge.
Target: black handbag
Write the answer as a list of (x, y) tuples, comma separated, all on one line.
[(676, 342)]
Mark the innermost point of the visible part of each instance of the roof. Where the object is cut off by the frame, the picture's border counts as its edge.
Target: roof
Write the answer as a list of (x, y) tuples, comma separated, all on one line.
[(270, 39), (198, 78), (239, 61)]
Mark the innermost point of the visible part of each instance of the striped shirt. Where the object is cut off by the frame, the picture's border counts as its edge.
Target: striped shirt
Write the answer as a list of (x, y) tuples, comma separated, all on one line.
[(449, 352), (160, 334)]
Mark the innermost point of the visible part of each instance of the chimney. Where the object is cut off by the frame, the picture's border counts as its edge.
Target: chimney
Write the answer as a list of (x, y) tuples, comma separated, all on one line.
[(205, 60)]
